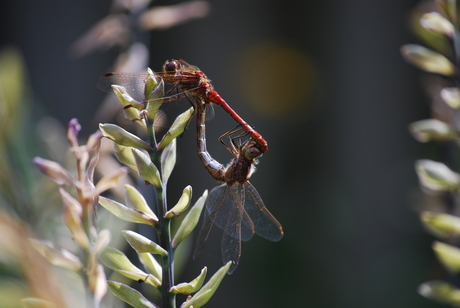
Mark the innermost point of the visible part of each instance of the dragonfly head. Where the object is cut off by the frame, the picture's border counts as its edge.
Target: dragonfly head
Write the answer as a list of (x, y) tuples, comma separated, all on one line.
[(170, 68)]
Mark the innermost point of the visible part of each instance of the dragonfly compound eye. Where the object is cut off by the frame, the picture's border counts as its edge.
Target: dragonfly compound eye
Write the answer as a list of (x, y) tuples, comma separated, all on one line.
[(252, 153), (171, 66)]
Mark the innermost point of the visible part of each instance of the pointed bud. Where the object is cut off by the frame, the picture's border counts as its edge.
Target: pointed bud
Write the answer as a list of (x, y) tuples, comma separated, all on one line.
[(125, 213), (182, 204), (147, 170), (427, 60), (125, 156), (72, 132), (53, 170), (432, 129), (168, 160), (117, 261), (451, 96), (448, 255), (440, 291), (123, 137), (135, 200), (190, 221), (437, 176), (441, 224), (141, 244), (192, 286), (151, 264), (177, 128), (438, 24), (129, 295), (207, 291)]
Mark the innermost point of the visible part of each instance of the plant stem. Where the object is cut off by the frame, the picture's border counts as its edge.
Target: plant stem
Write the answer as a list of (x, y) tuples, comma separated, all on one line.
[(164, 239), (164, 228)]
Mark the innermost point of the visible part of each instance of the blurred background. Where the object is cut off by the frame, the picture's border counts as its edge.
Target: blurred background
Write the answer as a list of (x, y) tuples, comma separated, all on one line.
[(325, 84)]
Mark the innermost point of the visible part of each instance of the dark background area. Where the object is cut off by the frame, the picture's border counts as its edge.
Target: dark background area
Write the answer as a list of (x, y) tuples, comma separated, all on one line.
[(339, 173)]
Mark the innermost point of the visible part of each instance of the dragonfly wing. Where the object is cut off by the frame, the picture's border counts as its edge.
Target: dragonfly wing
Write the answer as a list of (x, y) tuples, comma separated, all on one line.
[(265, 223), (212, 209), (231, 240)]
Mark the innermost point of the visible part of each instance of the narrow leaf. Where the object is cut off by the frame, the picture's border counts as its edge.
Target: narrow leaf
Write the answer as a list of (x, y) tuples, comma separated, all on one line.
[(432, 129), (125, 213), (168, 160), (135, 200), (182, 204), (146, 168), (177, 128), (437, 23), (427, 60), (451, 96), (448, 255), (440, 291), (117, 261), (129, 295), (122, 137), (151, 264), (141, 244), (441, 224), (192, 286), (207, 291), (437, 176), (125, 156), (190, 221)]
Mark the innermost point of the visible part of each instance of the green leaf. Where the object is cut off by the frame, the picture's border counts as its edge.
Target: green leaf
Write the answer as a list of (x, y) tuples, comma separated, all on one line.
[(58, 257), (207, 291), (182, 204), (440, 291), (127, 100), (168, 160), (192, 286), (133, 109), (427, 60), (141, 244), (146, 168), (117, 261), (435, 22), (123, 137), (432, 129), (448, 255), (151, 264), (135, 200), (177, 128), (451, 96), (125, 213), (129, 295), (154, 91), (190, 221), (437, 176), (125, 156), (441, 224)]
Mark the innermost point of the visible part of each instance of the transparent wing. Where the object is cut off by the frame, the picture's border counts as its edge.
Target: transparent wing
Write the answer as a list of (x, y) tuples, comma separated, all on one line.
[(231, 240), (265, 224), (212, 209)]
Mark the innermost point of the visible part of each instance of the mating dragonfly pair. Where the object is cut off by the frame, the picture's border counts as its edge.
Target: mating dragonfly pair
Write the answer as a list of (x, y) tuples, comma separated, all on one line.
[(235, 206)]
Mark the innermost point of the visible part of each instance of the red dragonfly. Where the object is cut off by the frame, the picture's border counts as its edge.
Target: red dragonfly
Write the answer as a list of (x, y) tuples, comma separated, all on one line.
[(235, 206), (189, 81)]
